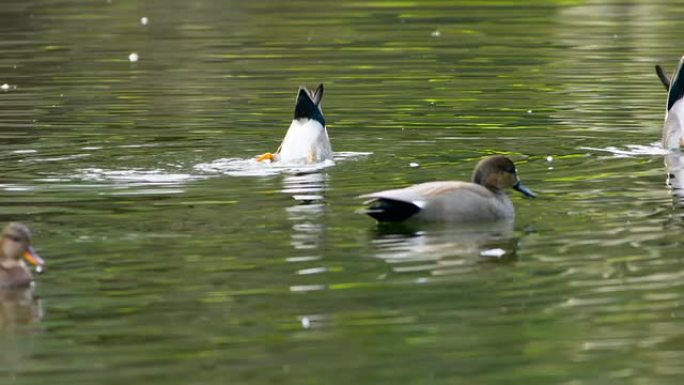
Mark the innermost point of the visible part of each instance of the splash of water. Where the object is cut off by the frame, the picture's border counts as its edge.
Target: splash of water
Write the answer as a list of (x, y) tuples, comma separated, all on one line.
[(250, 167), (631, 150)]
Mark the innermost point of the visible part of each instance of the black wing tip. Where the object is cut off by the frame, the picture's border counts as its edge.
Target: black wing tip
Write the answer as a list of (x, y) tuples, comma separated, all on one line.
[(389, 210), (664, 79)]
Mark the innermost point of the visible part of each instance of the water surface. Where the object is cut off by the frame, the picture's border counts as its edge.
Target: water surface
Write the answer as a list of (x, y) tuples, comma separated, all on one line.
[(171, 262)]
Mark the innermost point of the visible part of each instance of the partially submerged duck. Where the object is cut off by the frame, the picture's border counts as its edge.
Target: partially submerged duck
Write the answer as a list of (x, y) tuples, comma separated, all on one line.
[(15, 245), (306, 141), (673, 128), (482, 199)]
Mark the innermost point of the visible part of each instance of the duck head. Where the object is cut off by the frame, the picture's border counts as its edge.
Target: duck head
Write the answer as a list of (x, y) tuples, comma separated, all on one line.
[(308, 105), (498, 173), (15, 244)]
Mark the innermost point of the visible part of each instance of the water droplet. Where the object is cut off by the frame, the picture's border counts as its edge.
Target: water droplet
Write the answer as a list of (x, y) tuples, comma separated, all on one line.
[(306, 323), (133, 57), (529, 111), (5, 87), (436, 33), (549, 158), (414, 164), (144, 20), (496, 253)]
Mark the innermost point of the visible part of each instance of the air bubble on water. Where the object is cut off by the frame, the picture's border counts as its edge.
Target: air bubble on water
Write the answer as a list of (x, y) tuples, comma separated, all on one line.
[(549, 158), (436, 33), (306, 323), (529, 111), (39, 269), (414, 164), (133, 57), (5, 87), (144, 20)]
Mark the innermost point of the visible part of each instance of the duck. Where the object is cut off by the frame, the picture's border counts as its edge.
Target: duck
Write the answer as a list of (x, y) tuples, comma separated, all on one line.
[(673, 127), (482, 199), (306, 140), (15, 244)]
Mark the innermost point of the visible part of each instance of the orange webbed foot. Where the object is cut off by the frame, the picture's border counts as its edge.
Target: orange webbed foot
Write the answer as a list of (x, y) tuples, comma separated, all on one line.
[(266, 156)]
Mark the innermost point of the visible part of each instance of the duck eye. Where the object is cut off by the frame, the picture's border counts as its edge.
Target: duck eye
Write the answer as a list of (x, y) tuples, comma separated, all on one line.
[(12, 238)]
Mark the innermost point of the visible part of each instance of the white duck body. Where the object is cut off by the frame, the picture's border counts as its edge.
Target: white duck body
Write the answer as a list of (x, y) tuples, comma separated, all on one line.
[(672, 128), (306, 141)]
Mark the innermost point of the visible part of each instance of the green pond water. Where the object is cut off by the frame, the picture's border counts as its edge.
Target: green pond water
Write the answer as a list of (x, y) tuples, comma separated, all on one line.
[(172, 259)]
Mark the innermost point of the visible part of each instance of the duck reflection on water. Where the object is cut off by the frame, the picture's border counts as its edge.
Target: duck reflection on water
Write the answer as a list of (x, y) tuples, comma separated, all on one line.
[(443, 249), (674, 165), (307, 189)]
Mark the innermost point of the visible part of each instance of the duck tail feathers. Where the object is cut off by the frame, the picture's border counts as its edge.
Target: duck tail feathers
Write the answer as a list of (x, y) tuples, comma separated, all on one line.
[(662, 76), (307, 104), (317, 95), (390, 210)]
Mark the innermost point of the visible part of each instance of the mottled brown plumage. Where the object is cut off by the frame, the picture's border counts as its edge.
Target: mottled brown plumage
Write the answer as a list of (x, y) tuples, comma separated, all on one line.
[(15, 244)]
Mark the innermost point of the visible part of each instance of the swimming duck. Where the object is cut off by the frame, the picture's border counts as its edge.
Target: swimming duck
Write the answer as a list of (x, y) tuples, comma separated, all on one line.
[(306, 141), (674, 115), (483, 199), (15, 243)]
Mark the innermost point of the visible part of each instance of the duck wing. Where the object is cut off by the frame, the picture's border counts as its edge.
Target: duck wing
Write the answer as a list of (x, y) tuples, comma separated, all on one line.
[(421, 194), (401, 204)]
